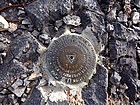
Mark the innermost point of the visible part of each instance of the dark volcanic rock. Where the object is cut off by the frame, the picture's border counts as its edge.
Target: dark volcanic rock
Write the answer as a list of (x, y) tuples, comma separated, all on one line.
[(9, 72), (122, 39), (132, 88), (116, 32), (137, 3), (96, 91), (122, 51), (23, 48), (43, 11), (35, 98)]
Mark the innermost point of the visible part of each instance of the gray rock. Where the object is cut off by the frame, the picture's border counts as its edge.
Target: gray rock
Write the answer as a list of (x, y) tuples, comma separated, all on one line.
[(24, 48), (138, 52), (18, 91), (11, 71), (127, 1), (110, 27), (26, 22), (131, 84), (30, 26), (20, 8), (30, 29), (138, 83), (137, 3), (122, 48), (22, 27), (42, 12), (48, 40), (113, 90), (137, 29), (97, 26), (3, 91), (57, 103), (23, 76), (9, 57), (17, 32), (106, 1), (2, 47), (125, 61), (1, 98), (111, 16), (26, 82), (115, 78), (44, 38), (72, 20), (128, 63), (17, 83), (34, 99), (35, 33), (135, 17), (21, 12), (65, 6), (129, 34), (95, 93), (122, 17), (137, 103), (58, 23), (1, 61), (11, 96), (3, 14), (15, 1), (90, 5), (23, 99)]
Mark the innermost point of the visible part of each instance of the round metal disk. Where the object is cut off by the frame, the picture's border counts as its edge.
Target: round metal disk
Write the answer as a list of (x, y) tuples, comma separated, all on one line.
[(71, 59)]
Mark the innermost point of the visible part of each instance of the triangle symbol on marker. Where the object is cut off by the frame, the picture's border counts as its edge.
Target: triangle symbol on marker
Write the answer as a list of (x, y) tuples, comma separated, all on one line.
[(71, 58)]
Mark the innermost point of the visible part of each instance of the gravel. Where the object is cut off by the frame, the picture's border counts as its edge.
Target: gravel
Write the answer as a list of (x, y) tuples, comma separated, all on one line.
[(114, 29)]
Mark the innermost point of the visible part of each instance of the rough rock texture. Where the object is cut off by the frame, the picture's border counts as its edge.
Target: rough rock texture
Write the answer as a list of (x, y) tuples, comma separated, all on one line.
[(96, 91), (9, 72), (34, 98), (115, 24)]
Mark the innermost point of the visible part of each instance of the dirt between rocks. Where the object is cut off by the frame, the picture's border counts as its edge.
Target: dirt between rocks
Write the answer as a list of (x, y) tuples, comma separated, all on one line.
[(114, 30)]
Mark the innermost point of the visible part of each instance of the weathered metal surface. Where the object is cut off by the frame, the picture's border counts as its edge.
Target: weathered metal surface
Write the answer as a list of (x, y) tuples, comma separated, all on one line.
[(71, 59)]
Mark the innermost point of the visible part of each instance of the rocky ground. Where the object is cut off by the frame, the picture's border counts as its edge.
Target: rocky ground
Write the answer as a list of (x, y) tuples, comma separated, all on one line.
[(32, 24)]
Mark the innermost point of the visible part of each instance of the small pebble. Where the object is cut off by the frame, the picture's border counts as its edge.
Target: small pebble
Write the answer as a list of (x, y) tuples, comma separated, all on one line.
[(30, 29), (3, 24), (58, 23), (23, 99), (110, 27), (21, 12), (122, 17), (111, 16), (35, 33), (135, 17), (28, 90), (72, 20), (12, 27), (22, 27), (26, 22)]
